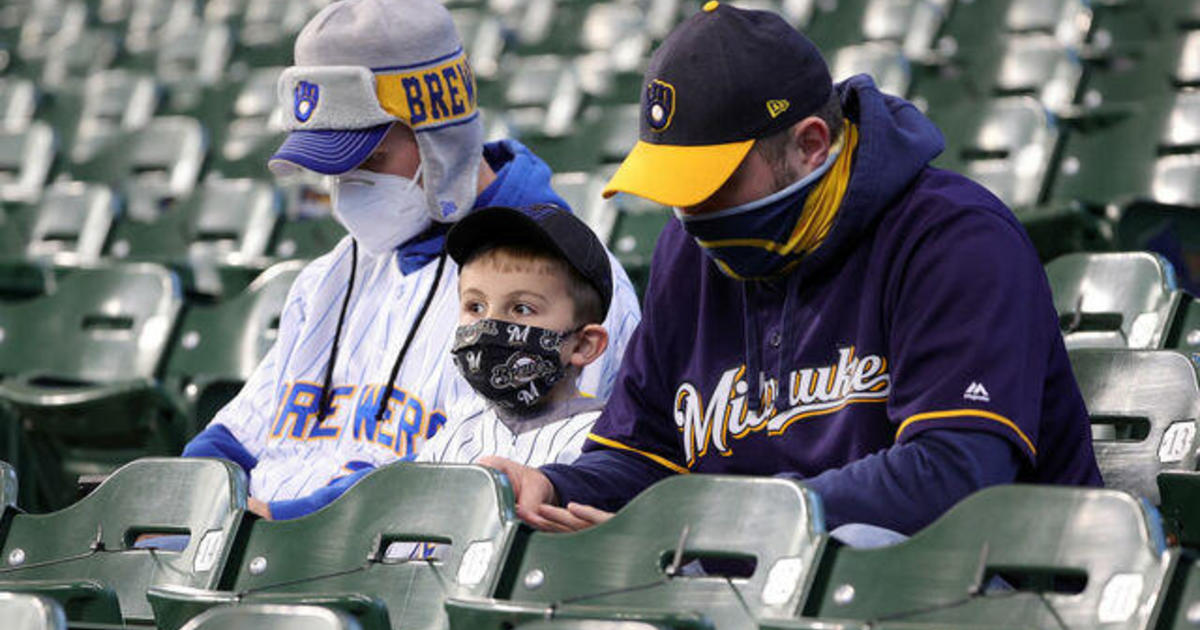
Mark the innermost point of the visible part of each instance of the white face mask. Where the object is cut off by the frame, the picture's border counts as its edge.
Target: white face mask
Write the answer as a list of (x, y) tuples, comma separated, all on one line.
[(381, 211)]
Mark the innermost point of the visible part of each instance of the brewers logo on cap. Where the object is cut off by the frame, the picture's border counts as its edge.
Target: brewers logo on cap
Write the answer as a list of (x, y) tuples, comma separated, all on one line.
[(660, 104), (306, 100)]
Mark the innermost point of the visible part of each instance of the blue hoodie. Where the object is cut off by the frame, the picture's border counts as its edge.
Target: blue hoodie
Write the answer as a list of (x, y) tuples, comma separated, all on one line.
[(911, 359)]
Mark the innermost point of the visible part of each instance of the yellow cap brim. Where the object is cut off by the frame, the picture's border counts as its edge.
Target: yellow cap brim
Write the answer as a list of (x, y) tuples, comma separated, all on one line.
[(676, 175)]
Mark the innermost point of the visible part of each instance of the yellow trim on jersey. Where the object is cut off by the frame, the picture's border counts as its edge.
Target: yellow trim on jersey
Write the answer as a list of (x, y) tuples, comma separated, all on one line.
[(972, 413), (661, 461)]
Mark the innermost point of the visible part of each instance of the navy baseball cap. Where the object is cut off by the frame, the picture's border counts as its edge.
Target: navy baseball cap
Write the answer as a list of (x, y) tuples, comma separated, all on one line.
[(548, 226), (722, 79)]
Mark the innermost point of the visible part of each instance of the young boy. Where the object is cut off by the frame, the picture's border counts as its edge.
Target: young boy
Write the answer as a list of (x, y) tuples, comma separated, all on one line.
[(534, 286)]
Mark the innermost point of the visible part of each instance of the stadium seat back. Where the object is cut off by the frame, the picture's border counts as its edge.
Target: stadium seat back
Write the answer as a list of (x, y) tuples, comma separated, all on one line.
[(84, 555), (1073, 557), (365, 569), (101, 325), (273, 617), (883, 61), (72, 223), (1144, 406), (1119, 299), (21, 611), (18, 103), (757, 539), (226, 221), (219, 345), (26, 157)]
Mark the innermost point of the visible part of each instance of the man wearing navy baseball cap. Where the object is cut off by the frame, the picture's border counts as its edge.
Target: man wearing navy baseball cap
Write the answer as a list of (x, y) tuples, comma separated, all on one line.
[(827, 306), (382, 100)]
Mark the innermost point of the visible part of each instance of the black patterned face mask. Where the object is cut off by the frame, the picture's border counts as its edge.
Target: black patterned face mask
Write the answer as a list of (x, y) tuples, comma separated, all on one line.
[(512, 365)]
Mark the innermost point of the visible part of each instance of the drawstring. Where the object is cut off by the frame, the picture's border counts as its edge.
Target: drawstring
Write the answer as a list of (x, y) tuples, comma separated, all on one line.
[(326, 392), (412, 332)]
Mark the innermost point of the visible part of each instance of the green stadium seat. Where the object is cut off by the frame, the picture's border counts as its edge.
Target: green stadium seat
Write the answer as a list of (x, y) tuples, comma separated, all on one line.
[(81, 364), (1006, 144), (219, 345), (633, 237), (94, 51), (884, 61), (834, 25), (217, 239), (167, 153), (1062, 228), (346, 564), (1144, 406), (914, 23), (1114, 300), (1074, 557), (253, 129), (71, 224), (307, 237), (765, 532), (195, 56), (31, 612), (273, 617), (1039, 64), (84, 555), (269, 28), (1158, 160), (547, 87), (26, 158), (111, 101), (18, 103), (47, 26), (483, 36), (582, 191)]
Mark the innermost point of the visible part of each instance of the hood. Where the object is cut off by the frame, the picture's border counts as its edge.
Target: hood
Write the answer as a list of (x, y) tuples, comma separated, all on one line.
[(896, 142), (522, 178)]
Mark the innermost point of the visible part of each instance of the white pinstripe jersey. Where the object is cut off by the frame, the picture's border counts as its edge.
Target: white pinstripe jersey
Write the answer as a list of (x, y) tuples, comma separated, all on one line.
[(539, 441), (274, 416)]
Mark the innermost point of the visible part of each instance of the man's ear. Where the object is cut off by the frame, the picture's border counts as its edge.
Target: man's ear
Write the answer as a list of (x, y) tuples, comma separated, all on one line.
[(590, 342), (811, 137)]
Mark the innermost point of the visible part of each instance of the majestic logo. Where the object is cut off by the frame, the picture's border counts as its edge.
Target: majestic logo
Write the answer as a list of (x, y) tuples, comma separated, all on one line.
[(977, 392), (810, 392), (660, 104), (306, 95), (777, 106)]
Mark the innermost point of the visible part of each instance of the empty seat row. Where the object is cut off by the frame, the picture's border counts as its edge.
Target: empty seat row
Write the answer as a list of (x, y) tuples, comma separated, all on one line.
[(693, 551), (113, 364)]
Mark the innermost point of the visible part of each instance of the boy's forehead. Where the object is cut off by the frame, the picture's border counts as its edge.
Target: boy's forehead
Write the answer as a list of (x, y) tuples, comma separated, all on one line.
[(504, 260)]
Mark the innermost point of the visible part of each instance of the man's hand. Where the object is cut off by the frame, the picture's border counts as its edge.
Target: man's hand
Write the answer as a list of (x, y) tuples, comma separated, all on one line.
[(258, 507), (573, 518), (533, 490)]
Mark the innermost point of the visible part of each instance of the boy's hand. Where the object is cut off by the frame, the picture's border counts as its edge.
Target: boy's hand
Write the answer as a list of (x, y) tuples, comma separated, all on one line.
[(258, 507), (532, 489), (573, 518)]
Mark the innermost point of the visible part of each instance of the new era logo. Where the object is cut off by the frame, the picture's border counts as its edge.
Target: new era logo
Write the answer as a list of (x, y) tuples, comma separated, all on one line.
[(775, 107), (977, 392)]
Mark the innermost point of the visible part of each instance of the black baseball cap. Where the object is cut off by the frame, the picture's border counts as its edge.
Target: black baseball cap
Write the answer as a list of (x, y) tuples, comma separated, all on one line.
[(546, 225), (722, 79)]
